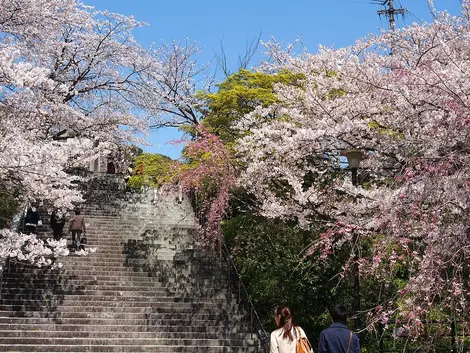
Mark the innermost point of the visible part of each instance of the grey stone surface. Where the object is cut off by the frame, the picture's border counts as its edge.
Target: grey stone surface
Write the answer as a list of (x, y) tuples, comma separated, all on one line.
[(149, 287)]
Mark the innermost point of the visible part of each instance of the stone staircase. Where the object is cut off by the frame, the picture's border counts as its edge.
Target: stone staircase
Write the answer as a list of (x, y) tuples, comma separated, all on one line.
[(148, 287)]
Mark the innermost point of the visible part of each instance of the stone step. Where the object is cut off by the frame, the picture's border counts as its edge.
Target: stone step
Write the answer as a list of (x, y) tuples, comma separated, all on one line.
[(84, 275), (73, 271), (88, 294), (141, 233), (142, 229), (135, 243), (120, 283), (28, 313), (58, 331), (126, 348), (133, 207), (164, 300), (130, 221), (117, 312), (96, 321), (122, 341), (162, 303), (161, 330), (159, 299), (80, 286), (195, 308), (136, 238), (106, 280), (70, 270), (97, 259), (96, 318), (120, 251), (156, 331), (179, 215), (126, 305), (125, 225), (141, 211), (115, 244)]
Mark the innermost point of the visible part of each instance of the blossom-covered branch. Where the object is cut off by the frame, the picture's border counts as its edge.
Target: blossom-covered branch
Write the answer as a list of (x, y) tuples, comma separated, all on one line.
[(408, 112)]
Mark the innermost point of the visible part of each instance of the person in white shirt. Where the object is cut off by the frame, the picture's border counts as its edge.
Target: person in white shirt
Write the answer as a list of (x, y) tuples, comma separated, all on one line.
[(284, 339)]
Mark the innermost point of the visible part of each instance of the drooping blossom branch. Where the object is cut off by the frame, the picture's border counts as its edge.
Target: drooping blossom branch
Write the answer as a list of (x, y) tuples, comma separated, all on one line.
[(208, 174)]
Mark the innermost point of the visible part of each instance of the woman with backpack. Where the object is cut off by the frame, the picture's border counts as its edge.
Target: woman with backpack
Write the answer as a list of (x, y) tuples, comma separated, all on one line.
[(287, 338)]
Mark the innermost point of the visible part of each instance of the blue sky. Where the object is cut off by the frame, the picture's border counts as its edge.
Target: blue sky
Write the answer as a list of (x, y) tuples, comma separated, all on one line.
[(334, 23)]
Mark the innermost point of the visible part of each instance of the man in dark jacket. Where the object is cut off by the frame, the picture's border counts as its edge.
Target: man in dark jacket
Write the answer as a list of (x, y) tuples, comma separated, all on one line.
[(337, 338)]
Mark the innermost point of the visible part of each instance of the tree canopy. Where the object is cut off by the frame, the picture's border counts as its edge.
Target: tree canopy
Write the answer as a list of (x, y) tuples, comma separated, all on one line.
[(150, 169), (239, 95)]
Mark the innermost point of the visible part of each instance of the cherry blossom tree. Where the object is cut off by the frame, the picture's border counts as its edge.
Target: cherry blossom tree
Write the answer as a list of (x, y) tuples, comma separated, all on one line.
[(74, 84), (170, 96), (30, 249), (69, 78), (408, 114), (64, 69), (208, 173)]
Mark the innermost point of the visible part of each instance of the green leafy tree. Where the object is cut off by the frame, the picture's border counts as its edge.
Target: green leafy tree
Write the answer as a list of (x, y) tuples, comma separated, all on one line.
[(8, 207), (151, 169), (240, 94), (269, 255)]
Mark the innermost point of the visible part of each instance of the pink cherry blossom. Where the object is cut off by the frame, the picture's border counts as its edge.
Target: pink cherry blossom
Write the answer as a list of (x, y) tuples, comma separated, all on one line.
[(408, 112)]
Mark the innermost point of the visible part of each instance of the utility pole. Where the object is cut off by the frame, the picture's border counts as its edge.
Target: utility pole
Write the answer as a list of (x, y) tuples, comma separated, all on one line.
[(390, 11)]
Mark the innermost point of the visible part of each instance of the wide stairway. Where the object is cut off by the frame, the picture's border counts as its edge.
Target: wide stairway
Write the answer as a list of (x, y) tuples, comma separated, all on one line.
[(148, 287)]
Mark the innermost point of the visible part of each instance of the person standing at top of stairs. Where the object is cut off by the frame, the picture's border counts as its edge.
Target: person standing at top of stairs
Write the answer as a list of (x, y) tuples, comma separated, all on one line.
[(32, 220), (76, 227), (57, 223)]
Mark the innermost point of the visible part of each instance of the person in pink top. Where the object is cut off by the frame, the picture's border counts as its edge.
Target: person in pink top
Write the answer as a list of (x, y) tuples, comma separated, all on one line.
[(76, 227)]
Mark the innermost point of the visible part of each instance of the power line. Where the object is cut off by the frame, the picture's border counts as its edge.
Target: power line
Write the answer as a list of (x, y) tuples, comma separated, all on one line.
[(357, 1), (390, 11), (412, 14)]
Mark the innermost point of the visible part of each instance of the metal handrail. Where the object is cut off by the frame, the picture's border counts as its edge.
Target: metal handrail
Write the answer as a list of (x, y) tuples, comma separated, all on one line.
[(3, 266), (262, 333)]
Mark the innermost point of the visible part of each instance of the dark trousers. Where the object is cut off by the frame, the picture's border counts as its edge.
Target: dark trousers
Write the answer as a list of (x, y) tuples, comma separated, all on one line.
[(30, 229), (76, 237), (57, 232)]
